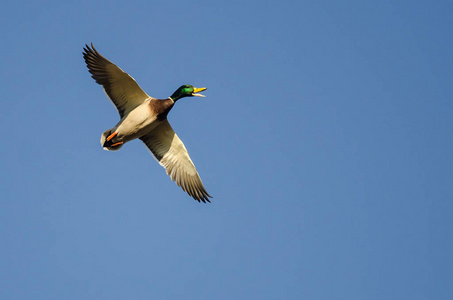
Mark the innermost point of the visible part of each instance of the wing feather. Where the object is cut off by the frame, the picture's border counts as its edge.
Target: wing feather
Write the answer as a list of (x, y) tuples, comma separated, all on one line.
[(119, 86), (170, 152)]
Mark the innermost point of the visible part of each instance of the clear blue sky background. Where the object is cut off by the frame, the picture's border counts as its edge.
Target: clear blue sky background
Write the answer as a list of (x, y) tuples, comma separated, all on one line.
[(325, 138)]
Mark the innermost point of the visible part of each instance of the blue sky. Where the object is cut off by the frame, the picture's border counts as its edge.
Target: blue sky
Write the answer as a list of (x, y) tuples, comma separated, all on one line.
[(325, 139)]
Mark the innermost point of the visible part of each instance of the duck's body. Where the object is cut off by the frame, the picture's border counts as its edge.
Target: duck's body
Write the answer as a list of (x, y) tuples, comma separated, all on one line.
[(145, 117), (140, 121)]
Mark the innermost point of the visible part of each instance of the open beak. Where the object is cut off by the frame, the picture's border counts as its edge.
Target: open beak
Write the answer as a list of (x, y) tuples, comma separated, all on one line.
[(197, 90)]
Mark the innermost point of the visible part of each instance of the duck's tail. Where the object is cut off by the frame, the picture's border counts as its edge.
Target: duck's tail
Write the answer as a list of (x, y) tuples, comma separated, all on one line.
[(109, 145)]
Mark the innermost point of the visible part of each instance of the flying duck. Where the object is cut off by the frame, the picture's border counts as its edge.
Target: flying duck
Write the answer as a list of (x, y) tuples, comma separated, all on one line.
[(145, 117)]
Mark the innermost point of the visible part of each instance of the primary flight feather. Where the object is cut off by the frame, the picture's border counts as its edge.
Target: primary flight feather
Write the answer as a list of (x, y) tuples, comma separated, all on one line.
[(145, 117)]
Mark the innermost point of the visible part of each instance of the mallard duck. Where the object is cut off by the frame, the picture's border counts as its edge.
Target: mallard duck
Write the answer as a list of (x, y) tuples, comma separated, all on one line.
[(145, 118)]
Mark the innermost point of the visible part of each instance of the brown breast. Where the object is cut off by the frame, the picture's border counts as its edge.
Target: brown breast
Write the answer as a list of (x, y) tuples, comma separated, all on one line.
[(161, 107)]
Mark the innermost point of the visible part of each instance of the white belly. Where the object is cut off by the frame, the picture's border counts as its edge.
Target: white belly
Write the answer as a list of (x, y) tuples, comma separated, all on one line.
[(135, 124)]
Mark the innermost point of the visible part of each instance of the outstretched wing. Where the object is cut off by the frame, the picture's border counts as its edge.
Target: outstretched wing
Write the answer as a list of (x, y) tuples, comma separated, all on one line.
[(168, 149), (121, 88)]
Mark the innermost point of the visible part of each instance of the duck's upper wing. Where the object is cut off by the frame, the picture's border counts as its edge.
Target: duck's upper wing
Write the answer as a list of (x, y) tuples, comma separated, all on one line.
[(119, 86), (170, 152)]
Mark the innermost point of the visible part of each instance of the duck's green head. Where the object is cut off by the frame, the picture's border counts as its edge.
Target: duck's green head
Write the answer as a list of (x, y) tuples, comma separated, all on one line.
[(187, 90)]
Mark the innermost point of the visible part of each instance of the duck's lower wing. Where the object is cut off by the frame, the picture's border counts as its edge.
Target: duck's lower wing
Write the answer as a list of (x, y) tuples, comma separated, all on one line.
[(170, 152)]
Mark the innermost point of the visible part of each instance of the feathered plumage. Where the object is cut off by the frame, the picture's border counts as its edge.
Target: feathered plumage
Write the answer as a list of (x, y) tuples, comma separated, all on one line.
[(145, 117)]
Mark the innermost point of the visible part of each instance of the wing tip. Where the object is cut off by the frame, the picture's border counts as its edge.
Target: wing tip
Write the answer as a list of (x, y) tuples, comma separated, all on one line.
[(204, 197), (89, 48)]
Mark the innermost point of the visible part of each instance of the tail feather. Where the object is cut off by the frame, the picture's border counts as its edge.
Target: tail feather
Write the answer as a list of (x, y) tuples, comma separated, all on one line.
[(104, 137)]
